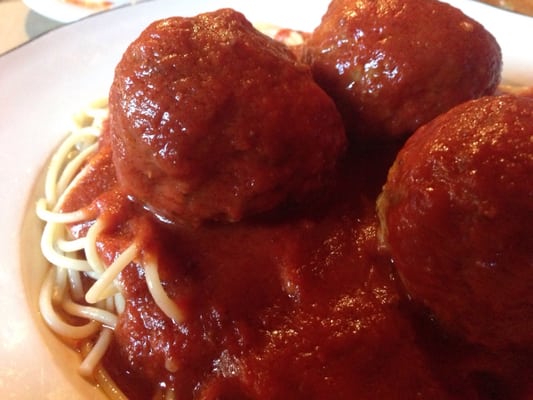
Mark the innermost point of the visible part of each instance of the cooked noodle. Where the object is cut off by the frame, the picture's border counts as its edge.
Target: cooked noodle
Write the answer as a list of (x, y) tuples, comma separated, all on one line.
[(158, 292), (69, 309)]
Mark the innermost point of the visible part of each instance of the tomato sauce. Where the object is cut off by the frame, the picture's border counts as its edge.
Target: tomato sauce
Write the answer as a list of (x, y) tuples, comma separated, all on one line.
[(297, 303), (213, 120)]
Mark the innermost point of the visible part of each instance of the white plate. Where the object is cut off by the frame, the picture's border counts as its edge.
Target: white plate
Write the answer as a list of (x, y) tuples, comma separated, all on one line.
[(41, 85), (65, 11)]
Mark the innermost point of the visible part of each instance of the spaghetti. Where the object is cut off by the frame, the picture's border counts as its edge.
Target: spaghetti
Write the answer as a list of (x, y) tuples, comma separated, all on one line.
[(73, 308), (86, 316)]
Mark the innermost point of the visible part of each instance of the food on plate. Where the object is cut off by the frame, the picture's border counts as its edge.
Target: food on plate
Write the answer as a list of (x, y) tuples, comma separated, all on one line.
[(392, 65), (215, 236), (92, 4), (240, 127), (454, 214)]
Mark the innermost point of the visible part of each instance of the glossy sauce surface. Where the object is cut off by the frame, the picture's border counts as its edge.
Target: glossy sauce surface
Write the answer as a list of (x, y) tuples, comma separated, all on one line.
[(213, 120), (455, 204), (300, 303), (289, 299), (393, 65)]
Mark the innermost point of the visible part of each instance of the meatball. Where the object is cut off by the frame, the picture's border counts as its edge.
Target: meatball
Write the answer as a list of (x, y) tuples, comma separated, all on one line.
[(212, 120), (456, 216), (393, 65)]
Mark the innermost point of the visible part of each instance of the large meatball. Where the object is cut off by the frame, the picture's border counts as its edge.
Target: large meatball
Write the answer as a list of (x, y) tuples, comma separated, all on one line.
[(456, 214), (392, 65), (211, 119)]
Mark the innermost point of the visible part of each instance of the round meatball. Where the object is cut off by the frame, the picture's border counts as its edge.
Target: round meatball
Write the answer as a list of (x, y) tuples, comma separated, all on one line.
[(393, 65), (456, 214), (212, 120)]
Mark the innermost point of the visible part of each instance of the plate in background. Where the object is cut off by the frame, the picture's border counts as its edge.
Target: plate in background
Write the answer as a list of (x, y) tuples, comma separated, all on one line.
[(73, 10)]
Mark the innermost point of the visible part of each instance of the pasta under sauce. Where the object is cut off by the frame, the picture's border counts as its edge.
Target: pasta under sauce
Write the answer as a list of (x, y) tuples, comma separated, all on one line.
[(296, 304)]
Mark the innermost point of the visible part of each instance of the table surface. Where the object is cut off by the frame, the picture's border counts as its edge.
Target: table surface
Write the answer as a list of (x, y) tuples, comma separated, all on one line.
[(18, 24)]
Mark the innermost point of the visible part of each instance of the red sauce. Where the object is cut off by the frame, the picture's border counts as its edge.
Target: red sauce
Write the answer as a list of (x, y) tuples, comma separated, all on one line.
[(455, 205), (212, 120), (300, 303), (293, 299), (393, 65)]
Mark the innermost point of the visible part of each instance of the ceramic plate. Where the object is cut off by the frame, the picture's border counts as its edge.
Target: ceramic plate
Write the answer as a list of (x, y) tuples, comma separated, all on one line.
[(41, 85)]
